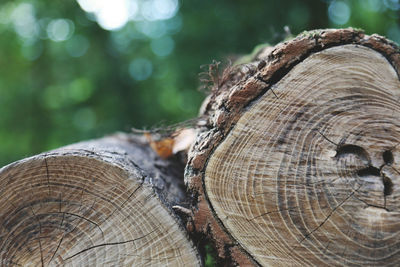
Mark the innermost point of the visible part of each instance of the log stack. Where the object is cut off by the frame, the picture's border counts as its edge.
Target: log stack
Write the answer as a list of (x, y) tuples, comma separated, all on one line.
[(296, 163)]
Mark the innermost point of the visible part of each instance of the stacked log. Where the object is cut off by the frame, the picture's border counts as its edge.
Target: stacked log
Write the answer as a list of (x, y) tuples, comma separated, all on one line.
[(296, 162)]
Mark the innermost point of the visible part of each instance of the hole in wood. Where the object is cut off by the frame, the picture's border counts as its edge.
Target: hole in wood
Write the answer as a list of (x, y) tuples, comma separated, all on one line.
[(344, 150), (387, 182), (388, 157), (370, 170), (387, 185)]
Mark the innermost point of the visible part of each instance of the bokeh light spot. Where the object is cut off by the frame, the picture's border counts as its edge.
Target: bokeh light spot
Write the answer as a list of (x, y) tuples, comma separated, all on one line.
[(90, 5), (32, 52), (60, 30), (77, 46), (163, 46), (173, 25), (159, 9), (57, 96), (299, 17), (152, 29), (339, 12), (170, 99), (80, 90), (140, 69), (394, 33), (392, 4), (25, 25), (373, 5), (84, 119), (53, 97), (113, 15)]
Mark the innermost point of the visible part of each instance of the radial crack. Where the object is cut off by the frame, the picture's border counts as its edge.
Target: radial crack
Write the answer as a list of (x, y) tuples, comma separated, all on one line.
[(48, 175), (85, 219), (328, 216), (40, 233), (123, 203), (107, 244), (326, 138), (61, 239)]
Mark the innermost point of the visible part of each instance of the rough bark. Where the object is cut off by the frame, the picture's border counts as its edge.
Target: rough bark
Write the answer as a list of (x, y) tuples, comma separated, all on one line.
[(298, 160), (106, 202)]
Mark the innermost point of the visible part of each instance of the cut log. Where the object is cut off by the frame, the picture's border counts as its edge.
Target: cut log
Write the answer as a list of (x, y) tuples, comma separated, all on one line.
[(99, 203), (299, 161)]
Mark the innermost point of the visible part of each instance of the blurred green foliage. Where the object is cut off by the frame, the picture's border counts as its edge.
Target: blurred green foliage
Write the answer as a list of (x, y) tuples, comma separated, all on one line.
[(210, 257), (63, 78)]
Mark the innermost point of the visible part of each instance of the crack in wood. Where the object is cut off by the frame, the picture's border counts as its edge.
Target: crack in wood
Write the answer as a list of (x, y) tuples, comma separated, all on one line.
[(40, 233), (107, 244), (329, 215), (326, 138), (61, 239), (123, 203), (47, 174)]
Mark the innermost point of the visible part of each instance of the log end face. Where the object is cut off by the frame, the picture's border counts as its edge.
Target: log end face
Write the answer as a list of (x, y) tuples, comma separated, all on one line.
[(309, 169), (78, 208), (342, 204)]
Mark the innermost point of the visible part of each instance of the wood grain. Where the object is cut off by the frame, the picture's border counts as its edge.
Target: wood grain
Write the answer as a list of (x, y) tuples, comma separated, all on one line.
[(309, 175), (88, 205)]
